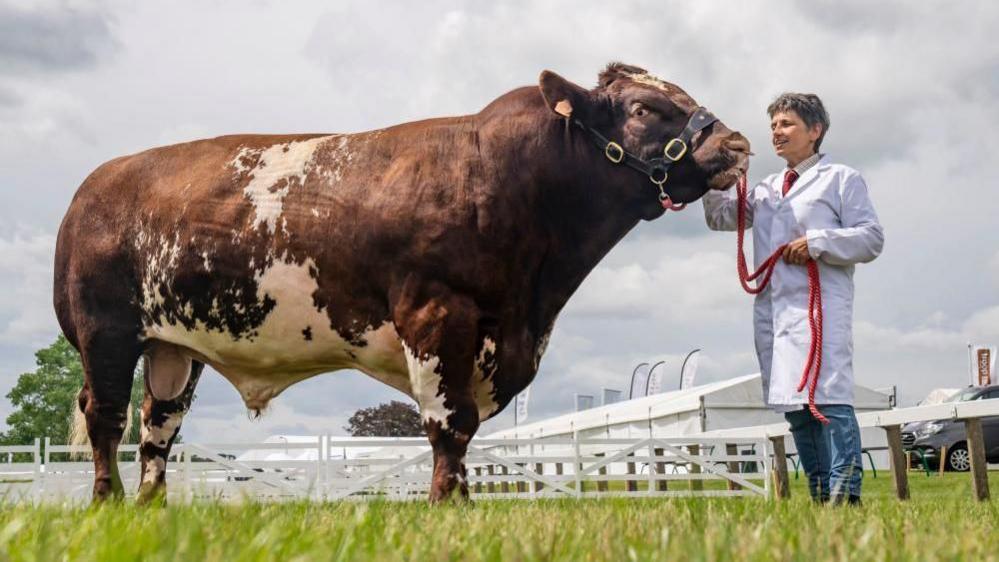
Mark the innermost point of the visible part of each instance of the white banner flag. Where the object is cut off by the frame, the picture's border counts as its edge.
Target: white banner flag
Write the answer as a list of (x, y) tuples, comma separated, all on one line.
[(983, 364), (638, 379), (522, 399), (655, 384), (689, 370)]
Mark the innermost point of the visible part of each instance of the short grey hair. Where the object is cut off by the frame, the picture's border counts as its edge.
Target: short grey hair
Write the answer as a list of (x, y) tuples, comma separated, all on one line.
[(808, 106)]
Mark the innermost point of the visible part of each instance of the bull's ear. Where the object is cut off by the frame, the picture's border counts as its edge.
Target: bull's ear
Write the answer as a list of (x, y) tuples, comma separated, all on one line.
[(562, 96)]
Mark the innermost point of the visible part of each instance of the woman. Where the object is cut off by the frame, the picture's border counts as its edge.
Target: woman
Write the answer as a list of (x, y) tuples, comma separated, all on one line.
[(822, 211)]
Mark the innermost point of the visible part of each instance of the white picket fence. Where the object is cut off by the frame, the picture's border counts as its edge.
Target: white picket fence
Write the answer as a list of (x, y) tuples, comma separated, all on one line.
[(339, 469)]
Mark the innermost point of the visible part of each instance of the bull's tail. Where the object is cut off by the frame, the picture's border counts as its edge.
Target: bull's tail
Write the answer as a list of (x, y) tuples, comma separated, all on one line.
[(78, 426)]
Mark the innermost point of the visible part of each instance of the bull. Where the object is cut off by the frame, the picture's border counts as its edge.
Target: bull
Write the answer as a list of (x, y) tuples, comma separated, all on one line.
[(433, 256)]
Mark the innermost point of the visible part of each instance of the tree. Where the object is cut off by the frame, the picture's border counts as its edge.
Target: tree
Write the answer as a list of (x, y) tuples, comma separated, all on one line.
[(44, 399), (395, 419)]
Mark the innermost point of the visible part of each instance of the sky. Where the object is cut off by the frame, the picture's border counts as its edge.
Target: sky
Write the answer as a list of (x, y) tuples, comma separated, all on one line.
[(911, 88)]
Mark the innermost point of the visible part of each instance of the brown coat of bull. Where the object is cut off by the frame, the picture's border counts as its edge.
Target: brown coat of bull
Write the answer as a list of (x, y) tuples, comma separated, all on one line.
[(433, 256)]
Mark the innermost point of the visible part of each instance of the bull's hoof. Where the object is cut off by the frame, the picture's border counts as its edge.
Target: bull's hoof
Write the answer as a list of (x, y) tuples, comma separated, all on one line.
[(456, 495), (104, 491), (152, 494)]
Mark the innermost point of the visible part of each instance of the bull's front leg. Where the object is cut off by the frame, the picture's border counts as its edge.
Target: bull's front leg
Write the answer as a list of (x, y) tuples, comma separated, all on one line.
[(439, 335)]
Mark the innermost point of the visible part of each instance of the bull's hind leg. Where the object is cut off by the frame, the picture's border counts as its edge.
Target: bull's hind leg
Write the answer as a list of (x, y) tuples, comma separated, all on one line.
[(161, 421), (439, 335), (109, 359)]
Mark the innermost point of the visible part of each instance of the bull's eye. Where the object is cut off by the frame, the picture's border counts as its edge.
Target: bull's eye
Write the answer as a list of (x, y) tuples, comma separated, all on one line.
[(640, 111)]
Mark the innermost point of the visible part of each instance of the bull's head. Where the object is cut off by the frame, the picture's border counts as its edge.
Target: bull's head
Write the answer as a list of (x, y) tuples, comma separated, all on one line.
[(636, 117)]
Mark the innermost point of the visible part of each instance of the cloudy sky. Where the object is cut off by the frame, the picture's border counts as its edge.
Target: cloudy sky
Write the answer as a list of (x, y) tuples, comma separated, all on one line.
[(912, 89)]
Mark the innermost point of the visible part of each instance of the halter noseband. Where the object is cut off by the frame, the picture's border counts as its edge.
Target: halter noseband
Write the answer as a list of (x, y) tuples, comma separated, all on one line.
[(657, 169)]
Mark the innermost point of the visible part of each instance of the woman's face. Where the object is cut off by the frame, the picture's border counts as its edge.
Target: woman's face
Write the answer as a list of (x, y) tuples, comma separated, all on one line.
[(792, 139)]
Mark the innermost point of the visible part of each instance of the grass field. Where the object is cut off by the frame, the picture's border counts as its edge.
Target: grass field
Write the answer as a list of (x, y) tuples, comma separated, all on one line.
[(941, 522)]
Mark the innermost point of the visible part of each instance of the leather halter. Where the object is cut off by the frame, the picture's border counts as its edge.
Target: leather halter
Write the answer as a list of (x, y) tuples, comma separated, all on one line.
[(657, 169)]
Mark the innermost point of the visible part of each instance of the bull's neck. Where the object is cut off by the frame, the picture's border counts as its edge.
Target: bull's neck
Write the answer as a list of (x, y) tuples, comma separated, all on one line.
[(585, 222), (578, 214)]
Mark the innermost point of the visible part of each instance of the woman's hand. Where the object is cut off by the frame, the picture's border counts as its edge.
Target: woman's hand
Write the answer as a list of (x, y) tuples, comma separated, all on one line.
[(796, 252)]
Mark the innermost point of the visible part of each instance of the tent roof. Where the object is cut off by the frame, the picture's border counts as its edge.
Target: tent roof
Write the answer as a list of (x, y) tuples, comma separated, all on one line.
[(745, 392), (636, 409)]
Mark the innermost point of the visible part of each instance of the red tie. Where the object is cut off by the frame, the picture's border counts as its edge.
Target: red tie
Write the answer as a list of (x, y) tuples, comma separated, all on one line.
[(789, 178)]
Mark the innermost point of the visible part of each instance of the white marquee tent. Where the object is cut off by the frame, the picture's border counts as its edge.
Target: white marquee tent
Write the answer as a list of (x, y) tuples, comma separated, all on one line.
[(713, 407), (732, 403)]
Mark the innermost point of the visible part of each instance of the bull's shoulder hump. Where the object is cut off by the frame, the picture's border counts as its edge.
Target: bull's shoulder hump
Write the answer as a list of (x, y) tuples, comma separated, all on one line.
[(254, 140)]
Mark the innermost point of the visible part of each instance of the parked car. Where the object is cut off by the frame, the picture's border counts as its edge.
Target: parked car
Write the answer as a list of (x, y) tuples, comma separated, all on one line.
[(933, 436)]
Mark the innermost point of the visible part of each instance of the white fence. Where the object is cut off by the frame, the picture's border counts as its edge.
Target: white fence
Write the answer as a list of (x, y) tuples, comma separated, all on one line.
[(970, 413), (401, 469), (734, 462)]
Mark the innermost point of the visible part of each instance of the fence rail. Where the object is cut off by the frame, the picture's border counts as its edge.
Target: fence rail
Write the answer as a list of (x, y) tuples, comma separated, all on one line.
[(891, 421), (331, 468)]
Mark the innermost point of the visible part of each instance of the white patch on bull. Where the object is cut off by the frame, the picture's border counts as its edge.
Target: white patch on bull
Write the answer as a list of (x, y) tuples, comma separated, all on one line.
[(281, 162), (382, 358), (425, 380), (315, 212), (342, 156), (160, 263), (483, 388), (237, 163), (158, 435), (154, 467), (278, 355), (651, 80), (207, 262)]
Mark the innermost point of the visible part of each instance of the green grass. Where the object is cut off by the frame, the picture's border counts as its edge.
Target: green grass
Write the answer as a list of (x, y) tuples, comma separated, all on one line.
[(941, 522)]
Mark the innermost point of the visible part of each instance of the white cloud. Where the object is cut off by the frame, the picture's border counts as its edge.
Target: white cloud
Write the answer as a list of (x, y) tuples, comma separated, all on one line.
[(993, 269), (26, 314), (663, 289), (983, 326), (41, 117), (220, 424), (892, 339)]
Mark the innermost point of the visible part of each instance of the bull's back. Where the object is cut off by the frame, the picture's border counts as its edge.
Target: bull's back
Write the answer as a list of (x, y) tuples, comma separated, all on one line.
[(261, 253), (222, 247), (130, 204)]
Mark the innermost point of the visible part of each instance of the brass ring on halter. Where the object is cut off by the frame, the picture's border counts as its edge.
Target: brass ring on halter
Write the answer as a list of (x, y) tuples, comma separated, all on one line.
[(654, 179), (614, 152), (671, 145)]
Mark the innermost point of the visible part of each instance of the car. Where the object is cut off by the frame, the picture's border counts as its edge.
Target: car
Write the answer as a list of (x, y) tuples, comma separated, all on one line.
[(948, 436)]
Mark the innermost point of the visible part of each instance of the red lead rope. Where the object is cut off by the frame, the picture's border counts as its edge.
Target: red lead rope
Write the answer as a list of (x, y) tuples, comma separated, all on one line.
[(810, 376)]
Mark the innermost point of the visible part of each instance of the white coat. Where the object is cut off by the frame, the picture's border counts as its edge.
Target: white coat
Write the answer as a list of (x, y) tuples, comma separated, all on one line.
[(829, 204)]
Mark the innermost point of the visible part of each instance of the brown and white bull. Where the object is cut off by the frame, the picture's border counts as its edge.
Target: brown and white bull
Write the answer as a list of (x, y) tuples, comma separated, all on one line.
[(433, 256)]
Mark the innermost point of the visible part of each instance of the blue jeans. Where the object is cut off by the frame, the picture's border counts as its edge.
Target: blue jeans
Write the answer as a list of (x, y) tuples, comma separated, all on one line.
[(830, 454)]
